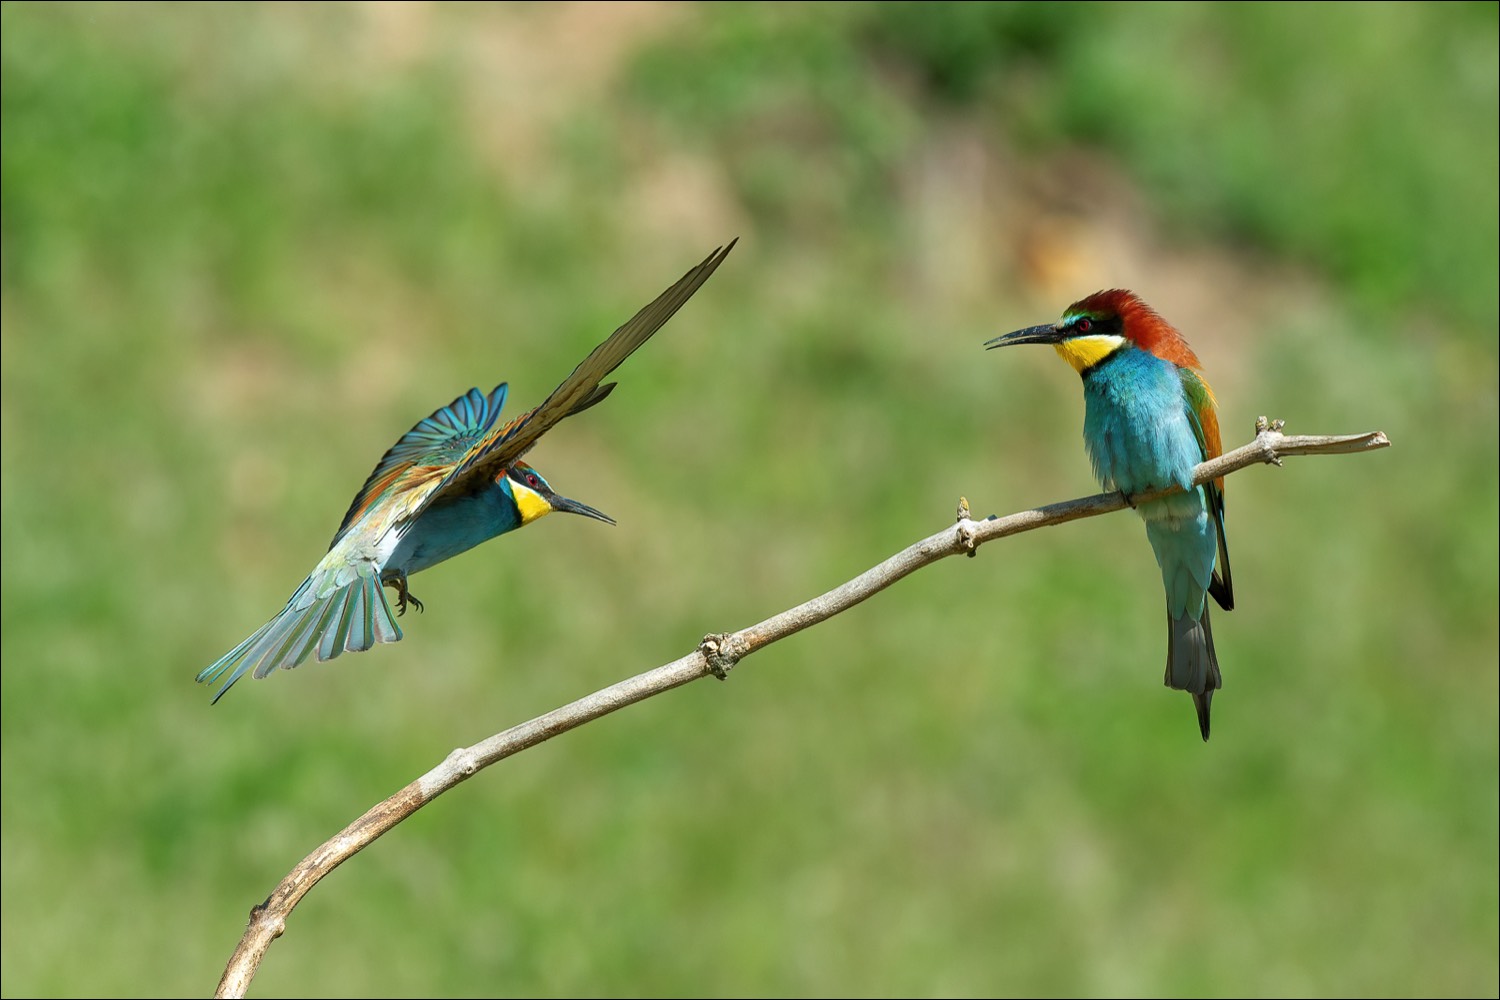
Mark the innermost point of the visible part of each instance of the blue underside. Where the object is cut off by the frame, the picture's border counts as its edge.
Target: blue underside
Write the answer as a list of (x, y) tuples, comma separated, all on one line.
[(449, 527), (1139, 433)]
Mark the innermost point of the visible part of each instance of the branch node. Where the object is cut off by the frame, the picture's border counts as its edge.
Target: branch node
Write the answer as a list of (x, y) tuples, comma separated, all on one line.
[(715, 648), (966, 537), (275, 922), (1267, 435), (462, 761)]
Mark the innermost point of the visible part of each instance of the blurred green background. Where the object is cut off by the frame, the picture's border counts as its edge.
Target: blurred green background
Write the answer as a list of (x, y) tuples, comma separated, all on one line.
[(246, 247)]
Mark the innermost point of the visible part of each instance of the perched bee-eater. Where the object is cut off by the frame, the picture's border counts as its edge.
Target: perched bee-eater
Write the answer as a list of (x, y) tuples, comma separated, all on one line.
[(1149, 418), (456, 479)]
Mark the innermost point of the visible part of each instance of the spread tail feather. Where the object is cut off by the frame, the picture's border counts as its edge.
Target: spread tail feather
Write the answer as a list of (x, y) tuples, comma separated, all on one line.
[(353, 616), (1192, 665)]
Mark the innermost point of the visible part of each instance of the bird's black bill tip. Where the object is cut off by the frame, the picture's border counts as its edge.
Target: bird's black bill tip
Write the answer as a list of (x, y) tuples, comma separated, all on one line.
[(1048, 334), (567, 506)]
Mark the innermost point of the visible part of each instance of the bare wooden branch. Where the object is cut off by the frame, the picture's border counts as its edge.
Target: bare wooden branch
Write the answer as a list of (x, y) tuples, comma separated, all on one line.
[(716, 655)]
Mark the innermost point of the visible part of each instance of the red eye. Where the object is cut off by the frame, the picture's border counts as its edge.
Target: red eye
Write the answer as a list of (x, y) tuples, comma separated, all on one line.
[(1084, 325), (532, 480)]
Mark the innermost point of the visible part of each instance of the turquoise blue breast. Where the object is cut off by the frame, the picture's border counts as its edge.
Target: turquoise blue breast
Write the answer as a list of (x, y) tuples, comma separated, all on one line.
[(1136, 423), (449, 527), (1140, 437)]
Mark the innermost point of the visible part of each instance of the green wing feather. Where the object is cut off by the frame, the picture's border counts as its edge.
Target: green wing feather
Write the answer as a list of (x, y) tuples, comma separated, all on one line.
[(1201, 414), (440, 440)]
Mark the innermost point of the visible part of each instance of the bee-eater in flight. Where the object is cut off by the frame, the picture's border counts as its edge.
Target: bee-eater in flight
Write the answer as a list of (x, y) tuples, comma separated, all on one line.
[(456, 479), (1149, 418)]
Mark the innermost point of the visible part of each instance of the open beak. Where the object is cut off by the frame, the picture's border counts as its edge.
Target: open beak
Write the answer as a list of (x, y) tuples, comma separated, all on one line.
[(1049, 334), (574, 507)]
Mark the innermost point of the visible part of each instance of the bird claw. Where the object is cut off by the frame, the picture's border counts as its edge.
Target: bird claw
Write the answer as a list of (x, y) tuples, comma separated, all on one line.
[(404, 596)]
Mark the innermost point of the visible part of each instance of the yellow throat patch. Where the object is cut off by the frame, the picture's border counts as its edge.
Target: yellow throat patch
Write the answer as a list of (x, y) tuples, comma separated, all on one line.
[(1086, 352), (529, 502)]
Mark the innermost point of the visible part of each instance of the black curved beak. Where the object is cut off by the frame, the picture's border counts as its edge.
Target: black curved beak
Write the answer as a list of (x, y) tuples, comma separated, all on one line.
[(1049, 334), (574, 507)]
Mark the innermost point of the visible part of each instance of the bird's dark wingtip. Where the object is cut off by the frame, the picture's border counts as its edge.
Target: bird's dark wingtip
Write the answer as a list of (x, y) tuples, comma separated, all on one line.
[(1221, 591)]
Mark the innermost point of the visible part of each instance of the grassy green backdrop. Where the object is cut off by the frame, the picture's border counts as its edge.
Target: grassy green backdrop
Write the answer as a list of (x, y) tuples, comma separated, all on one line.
[(246, 247)]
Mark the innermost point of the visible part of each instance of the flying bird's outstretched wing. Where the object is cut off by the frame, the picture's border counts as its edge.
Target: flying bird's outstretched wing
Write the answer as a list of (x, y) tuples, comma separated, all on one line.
[(503, 445), (437, 444)]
